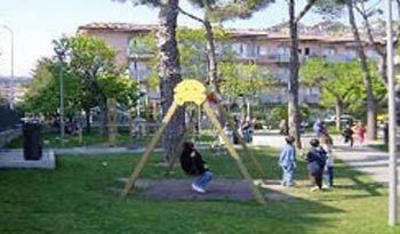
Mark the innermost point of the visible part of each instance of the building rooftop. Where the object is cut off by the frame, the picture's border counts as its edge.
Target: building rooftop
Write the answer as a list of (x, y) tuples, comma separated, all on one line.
[(121, 27), (321, 31)]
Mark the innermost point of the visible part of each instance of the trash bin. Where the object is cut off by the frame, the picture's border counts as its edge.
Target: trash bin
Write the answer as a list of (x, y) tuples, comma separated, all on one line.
[(32, 132)]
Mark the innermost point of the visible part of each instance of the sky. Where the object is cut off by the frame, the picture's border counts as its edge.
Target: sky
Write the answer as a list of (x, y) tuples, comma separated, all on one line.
[(37, 22)]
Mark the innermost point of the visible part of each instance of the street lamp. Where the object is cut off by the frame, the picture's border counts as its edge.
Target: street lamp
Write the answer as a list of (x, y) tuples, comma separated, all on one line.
[(11, 88), (60, 50), (392, 119)]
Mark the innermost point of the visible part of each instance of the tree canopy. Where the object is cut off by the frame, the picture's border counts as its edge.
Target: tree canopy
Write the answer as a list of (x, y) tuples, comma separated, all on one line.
[(86, 65)]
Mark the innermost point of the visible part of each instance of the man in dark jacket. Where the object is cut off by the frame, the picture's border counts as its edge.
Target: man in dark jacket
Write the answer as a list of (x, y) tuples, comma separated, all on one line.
[(316, 159), (194, 165)]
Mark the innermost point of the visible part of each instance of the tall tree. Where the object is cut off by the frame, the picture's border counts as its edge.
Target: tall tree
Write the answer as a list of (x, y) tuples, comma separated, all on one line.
[(245, 81), (367, 12), (89, 58), (169, 68), (336, 81), (351, 6), (371, 105), (169, 73), (293, 86), (219, 11)]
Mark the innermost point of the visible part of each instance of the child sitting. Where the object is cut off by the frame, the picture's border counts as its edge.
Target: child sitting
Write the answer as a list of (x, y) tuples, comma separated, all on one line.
[(192, 163)]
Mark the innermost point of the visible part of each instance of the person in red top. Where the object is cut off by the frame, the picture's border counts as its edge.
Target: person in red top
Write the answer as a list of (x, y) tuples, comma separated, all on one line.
[(360, 132)]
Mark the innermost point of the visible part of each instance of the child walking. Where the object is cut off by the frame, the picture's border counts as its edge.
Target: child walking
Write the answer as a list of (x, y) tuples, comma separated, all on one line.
[(316, 159), (327, 144), (348, 135), (287, 161), (360, 132)]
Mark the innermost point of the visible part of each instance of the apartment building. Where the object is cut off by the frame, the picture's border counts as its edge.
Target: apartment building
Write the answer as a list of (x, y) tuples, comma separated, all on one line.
[(14, 89), (269, 48)]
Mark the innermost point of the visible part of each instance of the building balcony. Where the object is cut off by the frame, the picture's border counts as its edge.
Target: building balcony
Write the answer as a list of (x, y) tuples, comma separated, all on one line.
[(312, 99), (270, 58), (140, 54)]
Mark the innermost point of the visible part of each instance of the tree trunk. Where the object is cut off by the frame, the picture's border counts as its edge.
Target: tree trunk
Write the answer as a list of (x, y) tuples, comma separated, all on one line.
[(103, 116), (383, 69), (211, 57), (169, 74), (339, 111), (88, 125), (248, 108), (371, 107), (293, 85)]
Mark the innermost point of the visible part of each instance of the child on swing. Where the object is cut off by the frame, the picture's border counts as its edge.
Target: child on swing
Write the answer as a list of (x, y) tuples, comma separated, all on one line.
[(194, 165)]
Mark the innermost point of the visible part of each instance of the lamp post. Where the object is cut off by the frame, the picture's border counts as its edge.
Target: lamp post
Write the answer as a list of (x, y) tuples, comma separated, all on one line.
[(11, 88), (60, 49), (138, 82), (392, 119)]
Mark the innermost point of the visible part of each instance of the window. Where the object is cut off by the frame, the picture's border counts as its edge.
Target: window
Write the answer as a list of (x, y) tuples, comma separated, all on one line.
[(237, 48), (262, 50), (283, 50), (350, 54), (139, 71), (283, 74), (307, 51), (329, 52)]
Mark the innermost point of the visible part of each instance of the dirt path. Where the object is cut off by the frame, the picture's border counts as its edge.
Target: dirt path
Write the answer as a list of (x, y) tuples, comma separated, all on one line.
[(219, 189)]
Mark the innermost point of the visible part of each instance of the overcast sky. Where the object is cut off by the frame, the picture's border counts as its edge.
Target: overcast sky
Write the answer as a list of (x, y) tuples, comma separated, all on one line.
[(37, 22)]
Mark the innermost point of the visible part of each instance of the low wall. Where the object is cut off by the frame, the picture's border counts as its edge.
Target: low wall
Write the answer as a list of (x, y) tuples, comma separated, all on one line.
[(7, 135)]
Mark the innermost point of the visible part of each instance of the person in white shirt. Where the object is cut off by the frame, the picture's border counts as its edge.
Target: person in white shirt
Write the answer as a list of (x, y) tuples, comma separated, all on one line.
[(327, 144)]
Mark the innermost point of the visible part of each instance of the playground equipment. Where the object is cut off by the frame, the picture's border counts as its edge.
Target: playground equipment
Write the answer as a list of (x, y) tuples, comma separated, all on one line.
[(193, 91)]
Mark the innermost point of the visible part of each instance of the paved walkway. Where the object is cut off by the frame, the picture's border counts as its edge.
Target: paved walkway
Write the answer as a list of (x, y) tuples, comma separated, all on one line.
[(94, 150), (363, 158)]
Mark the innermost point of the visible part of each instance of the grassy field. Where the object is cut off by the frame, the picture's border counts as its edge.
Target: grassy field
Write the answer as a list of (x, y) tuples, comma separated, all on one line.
[(75, 198)]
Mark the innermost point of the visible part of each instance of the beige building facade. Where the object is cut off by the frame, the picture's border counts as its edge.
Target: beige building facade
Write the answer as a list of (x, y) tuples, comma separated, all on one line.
[(14, 90), (265, 48)]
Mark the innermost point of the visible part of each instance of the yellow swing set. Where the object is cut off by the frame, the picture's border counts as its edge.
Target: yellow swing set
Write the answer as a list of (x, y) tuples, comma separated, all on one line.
[(193, 91)]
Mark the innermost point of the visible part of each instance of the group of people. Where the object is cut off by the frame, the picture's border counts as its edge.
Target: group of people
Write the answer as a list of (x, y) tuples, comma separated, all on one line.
[(319, 159), (358, 130), (319, 162), (244, 127), (348, 133)]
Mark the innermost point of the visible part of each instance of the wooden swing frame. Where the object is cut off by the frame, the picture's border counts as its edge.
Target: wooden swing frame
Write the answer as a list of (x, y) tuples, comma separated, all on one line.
[(193, 91)]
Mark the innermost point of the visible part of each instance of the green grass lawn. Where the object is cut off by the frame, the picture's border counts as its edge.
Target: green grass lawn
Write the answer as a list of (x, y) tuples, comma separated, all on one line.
[(75, 199)]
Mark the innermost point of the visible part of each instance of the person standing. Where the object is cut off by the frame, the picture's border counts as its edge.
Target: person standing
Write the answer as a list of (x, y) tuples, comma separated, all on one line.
[(327, 144), (348, 135), (283, 127), (316, 159), (287, 161), (360, 132), (194, 165), (319, 127)]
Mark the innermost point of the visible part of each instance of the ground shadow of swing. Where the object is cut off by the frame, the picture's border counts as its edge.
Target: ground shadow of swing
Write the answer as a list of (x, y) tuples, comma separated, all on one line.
[(295, 213)]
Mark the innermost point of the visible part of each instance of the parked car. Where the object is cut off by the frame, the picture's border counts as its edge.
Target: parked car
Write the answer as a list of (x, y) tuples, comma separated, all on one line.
[(346, 119), (330, 119)]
